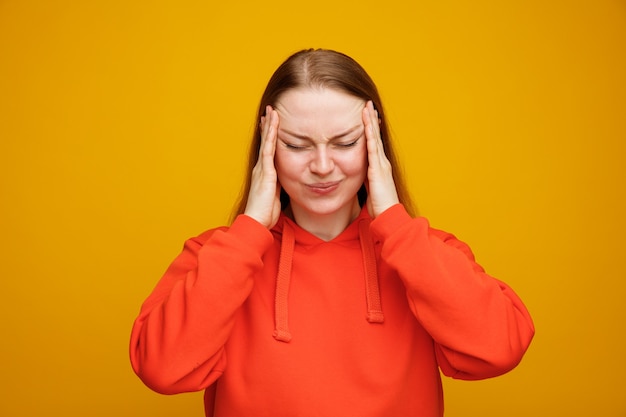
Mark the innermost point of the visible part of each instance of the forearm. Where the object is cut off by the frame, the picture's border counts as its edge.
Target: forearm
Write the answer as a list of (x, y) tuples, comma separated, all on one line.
[(480, 327)]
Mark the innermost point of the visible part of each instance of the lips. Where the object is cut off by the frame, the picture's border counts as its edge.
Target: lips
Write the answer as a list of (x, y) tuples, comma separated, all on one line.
[(324, 187)]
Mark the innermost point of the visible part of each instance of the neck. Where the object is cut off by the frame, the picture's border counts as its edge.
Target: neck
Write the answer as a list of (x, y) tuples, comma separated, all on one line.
[(325, 226)]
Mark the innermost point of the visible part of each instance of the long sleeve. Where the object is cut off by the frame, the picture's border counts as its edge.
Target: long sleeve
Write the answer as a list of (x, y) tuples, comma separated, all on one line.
[(479, 325), (177, 341)]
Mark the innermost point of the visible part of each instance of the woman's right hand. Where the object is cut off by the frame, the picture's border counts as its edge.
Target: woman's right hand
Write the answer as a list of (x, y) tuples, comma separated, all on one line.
[(264, 198)]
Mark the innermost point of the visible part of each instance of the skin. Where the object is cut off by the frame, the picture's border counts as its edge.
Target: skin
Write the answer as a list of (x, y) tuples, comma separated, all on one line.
[(320, 145)]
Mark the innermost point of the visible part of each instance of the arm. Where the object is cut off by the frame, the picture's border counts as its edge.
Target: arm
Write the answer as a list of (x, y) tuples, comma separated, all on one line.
[(480, 327), (177, 341)]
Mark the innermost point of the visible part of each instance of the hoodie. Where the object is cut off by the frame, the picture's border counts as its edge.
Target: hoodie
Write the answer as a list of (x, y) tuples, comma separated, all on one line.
[(281, 323)]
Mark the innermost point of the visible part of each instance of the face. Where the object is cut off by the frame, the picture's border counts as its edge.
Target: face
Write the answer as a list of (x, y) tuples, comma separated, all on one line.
[(321, 157)]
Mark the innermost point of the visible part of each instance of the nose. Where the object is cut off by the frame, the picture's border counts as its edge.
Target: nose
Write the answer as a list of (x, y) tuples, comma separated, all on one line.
[(322, 163)]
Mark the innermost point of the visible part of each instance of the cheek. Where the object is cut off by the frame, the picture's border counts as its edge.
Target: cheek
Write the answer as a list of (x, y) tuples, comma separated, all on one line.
[(286, 164), (354, 163)]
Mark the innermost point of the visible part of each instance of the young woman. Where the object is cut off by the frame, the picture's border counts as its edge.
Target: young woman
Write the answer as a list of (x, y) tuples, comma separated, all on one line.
[(327, 295)]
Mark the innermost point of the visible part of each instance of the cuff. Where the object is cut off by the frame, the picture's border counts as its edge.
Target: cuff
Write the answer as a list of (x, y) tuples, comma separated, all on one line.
[(252, 232), (391, 220)]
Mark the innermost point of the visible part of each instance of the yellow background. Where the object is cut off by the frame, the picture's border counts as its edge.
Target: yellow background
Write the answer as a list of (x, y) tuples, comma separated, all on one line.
[(123, 128)]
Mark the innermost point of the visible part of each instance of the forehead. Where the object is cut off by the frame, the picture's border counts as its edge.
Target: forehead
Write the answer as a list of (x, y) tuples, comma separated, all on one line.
[(321, 111)]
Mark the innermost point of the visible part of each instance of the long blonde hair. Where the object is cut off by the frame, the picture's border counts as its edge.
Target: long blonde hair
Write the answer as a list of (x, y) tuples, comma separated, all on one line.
[(329, 69)]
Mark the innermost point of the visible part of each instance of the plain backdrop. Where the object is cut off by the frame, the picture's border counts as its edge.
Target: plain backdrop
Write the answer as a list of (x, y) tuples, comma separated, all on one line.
[(124, 127)]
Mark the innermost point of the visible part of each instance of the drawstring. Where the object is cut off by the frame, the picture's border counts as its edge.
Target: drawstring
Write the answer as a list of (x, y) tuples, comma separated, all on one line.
[(372, 291), (282, 332)]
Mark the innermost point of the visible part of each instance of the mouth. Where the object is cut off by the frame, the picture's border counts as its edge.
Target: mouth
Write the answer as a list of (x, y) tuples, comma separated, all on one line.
[(324, 187)]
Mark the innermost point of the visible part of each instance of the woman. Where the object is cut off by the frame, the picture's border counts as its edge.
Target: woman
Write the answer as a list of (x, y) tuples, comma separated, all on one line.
[(326, 296)]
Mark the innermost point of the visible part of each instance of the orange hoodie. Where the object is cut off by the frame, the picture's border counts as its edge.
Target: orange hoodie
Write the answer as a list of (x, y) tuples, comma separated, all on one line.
[(280, 323)]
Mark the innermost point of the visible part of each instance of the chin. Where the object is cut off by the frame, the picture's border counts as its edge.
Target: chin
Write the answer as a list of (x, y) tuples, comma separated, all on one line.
[(324, 208)]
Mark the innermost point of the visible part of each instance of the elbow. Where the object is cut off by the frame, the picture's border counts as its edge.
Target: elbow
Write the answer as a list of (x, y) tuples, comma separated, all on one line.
[(165, 377), (505, 353), (157, 380), (168, 383), (471, 368), (500, 364), (495, 359), (149, 369), (153, 375), (509, 356), (515, 349)]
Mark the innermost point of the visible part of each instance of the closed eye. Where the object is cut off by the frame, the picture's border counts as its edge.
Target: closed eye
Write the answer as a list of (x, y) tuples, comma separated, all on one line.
[(294, 147), (348, 144)]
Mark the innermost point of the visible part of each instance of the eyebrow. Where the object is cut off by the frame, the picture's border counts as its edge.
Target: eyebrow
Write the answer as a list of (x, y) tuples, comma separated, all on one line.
[(335, 137)]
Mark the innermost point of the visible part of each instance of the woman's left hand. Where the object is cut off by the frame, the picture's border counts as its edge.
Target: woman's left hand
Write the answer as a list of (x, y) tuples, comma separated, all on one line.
[(381, 188)]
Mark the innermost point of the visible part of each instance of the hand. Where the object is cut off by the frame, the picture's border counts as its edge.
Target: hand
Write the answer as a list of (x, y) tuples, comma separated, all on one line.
[(381, 188), (264, 198)]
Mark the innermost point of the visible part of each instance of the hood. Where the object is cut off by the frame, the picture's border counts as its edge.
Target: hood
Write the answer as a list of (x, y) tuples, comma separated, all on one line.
[(287, 230)]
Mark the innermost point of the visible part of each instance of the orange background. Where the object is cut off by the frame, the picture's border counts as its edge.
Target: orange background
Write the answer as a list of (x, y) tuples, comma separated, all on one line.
[(123, 130)]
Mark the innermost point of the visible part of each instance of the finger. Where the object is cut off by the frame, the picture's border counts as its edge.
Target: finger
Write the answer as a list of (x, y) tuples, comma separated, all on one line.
[(267, 131), (262, 128), (372, 131), (371, 120), (270, 132)]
